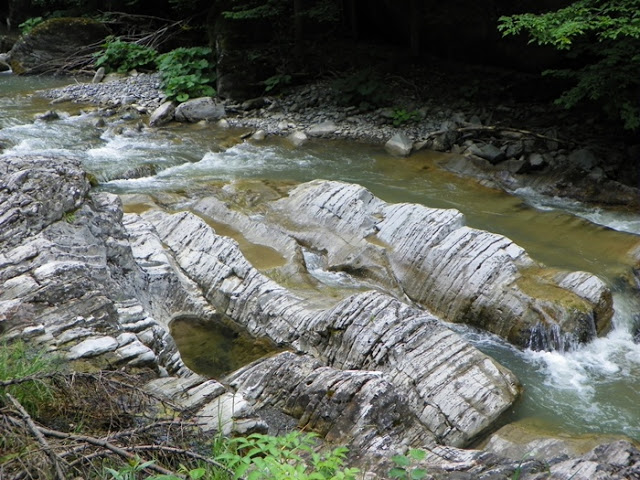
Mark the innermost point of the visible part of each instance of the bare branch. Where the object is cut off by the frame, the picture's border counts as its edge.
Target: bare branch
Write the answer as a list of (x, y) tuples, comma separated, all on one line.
[(35, 430)]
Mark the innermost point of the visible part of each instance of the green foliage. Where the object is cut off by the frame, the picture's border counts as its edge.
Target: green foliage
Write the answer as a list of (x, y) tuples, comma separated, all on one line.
[(122, 57), (364, 89), (29, 24), (187, 73), (603, 37), (401, 116), (405, 469), (18, 361), (276, 82), (130, 472), (292, 456)]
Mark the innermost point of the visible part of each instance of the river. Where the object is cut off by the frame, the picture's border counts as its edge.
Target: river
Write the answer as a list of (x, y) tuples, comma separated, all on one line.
[(590, 390)]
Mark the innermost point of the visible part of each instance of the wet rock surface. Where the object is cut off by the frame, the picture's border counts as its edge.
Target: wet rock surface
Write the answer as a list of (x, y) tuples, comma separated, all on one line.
[(463, 274)]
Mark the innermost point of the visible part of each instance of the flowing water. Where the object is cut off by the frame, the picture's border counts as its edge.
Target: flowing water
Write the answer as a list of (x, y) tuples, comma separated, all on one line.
[(592, 389)]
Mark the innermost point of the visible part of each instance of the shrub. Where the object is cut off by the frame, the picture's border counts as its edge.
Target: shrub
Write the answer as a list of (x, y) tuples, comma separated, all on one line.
[(122, 57), (291, 456), (602, 39), (187, 73), (401, 116)]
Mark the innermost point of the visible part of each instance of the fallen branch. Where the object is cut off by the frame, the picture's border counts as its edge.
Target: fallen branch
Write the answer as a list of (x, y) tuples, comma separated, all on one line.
[(102, 443), (56, 460), (181, 451), (496, 129)]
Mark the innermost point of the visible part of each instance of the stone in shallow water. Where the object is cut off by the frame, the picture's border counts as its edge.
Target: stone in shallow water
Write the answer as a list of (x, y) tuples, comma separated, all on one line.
[(399, 145)]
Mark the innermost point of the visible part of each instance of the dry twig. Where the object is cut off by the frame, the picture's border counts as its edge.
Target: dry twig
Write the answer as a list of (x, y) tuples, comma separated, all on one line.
[(56, 460)]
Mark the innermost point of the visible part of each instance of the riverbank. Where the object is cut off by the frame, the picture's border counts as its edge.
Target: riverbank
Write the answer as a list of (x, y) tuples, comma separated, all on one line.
[(506, 145)]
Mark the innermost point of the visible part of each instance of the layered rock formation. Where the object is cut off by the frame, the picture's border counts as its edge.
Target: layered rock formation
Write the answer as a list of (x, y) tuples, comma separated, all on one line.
[(465, 275), (367, 370)]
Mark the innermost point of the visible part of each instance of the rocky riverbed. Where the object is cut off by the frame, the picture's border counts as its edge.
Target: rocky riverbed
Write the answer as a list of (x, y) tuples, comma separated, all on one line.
[(552, 161), (374, 368), (368, 370)]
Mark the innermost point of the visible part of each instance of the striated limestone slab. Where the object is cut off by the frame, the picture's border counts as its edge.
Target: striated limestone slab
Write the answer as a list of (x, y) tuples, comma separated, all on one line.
[(454, 390), (465, 275)]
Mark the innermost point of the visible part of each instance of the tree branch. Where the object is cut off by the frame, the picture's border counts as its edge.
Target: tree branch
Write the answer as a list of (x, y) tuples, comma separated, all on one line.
[(36, 431)]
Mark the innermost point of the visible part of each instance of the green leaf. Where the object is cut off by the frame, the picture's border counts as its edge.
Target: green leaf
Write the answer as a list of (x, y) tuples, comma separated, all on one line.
[(401, 460), (418, 473), (398, 473), (417, 454), (197, 473)]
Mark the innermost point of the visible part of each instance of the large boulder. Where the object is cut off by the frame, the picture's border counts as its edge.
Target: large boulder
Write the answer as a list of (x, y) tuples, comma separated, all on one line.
[(50, 45), (197, 109)]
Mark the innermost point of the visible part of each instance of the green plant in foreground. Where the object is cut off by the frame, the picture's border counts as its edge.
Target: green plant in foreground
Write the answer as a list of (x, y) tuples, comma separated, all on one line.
[(187, 73), (292, 456), (130, 472), (122, 57), (401, 116), (17, 361), (405, 469)]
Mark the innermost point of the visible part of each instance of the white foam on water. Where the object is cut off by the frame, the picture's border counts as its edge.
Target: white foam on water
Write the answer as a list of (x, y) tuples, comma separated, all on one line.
[(620, 221)]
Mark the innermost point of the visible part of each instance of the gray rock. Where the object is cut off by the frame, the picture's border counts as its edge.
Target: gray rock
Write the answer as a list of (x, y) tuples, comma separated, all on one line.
[(204, 108), (464, 274), (258, 135), (297, 138), (324, 128), (92, 347), (584, 159), (99, 75), (48, 116), (514, 150), (376, 332), (487, 151), (537, 161), (163, 114), (346, 407), (399, 145), (50, 44)]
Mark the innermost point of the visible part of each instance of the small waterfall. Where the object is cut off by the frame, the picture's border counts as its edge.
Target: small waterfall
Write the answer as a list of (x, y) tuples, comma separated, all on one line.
[(547, 339)]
